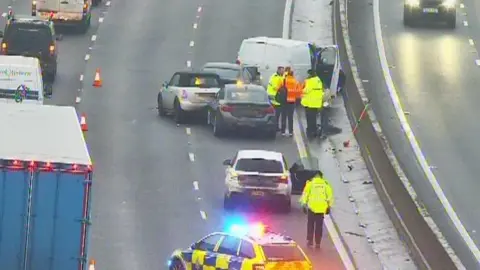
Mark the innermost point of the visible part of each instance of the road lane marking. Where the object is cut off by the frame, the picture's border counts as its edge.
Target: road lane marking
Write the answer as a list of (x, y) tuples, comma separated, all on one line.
[(191, 156), (471, 42), (94, 37), (81, 77), (100, 20), (412, 139), (195, 25), (465, 23), (199, 9), (78, 100), (4, 14), (195, 185), (189, 63), (192, 43), (462, 6), (203, 215), (107, 4), (87, 57), (188, 131), (477, 62)]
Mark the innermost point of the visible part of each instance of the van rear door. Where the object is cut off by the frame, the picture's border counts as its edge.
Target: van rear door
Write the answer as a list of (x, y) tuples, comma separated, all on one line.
[(71, 6), (48, 5)]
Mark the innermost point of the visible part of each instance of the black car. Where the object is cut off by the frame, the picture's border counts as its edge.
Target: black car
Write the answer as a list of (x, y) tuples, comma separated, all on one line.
[(231, 73), (32, 37), (438, 10), (242, 107)]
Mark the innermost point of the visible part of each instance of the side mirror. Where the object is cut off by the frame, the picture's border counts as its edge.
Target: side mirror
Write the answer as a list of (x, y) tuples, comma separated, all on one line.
[(194, 246), (227, 162)]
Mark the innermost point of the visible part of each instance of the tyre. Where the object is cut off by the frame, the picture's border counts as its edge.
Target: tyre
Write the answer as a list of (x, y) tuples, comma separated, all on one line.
[(161, 110), (84, 25), (218, 126), (227, 203), (176, 265), (179, 113), (452, 21)]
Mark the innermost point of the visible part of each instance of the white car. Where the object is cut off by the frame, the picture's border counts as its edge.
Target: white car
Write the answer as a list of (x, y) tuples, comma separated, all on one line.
[(186, 92), (258, 175)]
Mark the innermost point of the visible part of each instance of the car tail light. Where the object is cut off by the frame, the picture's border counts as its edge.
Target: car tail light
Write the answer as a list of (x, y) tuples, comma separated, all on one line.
[(184, 94), (4, 47), (283, 179), (258, 267), (51, 49), (226, 108), (269, 110)]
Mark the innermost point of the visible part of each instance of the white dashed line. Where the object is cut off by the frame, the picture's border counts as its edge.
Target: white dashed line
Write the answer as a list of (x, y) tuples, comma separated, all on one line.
[(462, 6), (78, 99), (195, 185), (203, 214), (199, 9), (189, 63), (81, 77), (188, 130), (192, 43), (477, 62), (107, 4), (195, 25), (191, 156), (4, 14), (465, 23), (471, 42), (100, 20), (79, 90), (87, 57), (94, 37)]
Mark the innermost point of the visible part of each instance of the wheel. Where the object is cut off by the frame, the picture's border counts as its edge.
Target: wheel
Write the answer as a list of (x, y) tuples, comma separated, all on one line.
[(227, 203), (179, 113), (161, 110), (218, 127), (176, 265), (452, 21), (286, 206)]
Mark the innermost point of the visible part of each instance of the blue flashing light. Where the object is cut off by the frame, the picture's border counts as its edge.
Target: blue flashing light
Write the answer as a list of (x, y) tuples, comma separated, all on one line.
[(238, 229)]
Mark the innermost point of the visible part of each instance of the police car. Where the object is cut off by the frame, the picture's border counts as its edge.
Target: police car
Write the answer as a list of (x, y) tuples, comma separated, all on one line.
[(258, 175), (242, 247)]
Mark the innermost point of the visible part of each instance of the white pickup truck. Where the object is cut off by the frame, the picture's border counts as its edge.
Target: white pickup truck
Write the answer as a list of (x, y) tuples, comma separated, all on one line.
[(76, 13)]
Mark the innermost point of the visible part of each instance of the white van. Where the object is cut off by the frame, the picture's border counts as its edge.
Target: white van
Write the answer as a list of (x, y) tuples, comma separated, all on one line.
[(75, 13), (20, 80), (268, 53)]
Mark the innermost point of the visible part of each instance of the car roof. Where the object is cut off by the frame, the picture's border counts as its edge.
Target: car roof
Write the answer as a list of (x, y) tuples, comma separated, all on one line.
[(267, 238), (222, 65), (197, 73), (244, 87), (249, 154)]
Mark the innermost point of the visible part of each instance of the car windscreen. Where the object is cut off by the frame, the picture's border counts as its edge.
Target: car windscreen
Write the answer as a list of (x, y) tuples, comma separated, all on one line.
[(199, 80), (259, 165), (224, 73), (283, 253), (251, 96), (25, 38)]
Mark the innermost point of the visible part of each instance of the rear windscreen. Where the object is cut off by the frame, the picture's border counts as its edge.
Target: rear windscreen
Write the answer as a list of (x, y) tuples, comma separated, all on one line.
[(282, 253), (225, 73), (253, 96), (197, 80), (25, 38), (259, 165)]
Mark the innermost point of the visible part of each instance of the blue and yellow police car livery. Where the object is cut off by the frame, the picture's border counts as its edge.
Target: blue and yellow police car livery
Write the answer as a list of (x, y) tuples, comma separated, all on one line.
[(242, 248)]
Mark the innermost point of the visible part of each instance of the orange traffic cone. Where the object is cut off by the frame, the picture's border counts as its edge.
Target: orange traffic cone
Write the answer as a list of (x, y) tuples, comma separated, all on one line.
[(91, 266), (83, 122), (97, 82)]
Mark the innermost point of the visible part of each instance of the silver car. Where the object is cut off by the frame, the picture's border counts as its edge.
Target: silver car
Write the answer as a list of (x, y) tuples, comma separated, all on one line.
[(231, 73), (186, 92)]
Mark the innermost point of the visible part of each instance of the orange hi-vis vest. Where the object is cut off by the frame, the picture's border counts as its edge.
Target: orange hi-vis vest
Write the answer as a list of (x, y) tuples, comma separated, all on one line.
[(294, 89)]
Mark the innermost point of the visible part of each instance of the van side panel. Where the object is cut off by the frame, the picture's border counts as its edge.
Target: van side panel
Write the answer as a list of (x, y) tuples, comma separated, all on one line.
[(13, 198), (56, 235)]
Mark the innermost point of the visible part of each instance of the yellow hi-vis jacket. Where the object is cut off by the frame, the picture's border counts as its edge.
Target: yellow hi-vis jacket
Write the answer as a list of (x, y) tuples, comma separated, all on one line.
[(313, 93), (274, 84), (317, 195)]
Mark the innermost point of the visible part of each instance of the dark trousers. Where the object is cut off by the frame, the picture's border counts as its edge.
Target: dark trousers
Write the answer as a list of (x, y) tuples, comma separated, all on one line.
[(287, 115), (323, 121), (278, 113), (311, 116), (314, 226)]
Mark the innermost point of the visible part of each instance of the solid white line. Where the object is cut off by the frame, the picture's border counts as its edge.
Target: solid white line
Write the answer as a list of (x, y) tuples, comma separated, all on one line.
[(195, 185), (81, 78), (191, 156), (195, 25), (471, 42), (78, 100), (188, 130), (286, 19), (94, 37), (100, 20), (411, 137), (465, 23), (189, 63), (192, 43), (87, 57), (199, 9), (203, 215)]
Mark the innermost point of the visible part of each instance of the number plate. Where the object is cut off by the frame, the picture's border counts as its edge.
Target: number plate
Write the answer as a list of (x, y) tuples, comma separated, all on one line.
[(258, 193), (430, 10)]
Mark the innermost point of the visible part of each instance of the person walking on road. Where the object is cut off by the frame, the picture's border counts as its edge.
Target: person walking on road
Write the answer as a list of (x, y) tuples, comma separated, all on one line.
[(274, 84), (312, 101), (293, 92), (316, 199)]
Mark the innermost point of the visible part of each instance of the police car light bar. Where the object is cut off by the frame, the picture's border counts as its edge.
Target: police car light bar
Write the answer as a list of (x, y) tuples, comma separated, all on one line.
[(256, 229)]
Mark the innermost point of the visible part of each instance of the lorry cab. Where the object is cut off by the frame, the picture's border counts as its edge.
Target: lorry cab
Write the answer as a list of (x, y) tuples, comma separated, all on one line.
[(72, 13), (21, 80), (268, 53)]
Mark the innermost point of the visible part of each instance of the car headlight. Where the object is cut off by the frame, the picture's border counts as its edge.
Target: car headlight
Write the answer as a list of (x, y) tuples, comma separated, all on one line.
[(413, 3), (449, 3)]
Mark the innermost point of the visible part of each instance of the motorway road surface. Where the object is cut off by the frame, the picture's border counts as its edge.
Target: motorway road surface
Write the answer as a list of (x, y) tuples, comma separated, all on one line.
[(145, 204), (436, 77)]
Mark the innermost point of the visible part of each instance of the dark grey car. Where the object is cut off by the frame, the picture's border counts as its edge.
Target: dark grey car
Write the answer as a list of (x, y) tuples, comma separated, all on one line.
[(242, 107), (230, 73)]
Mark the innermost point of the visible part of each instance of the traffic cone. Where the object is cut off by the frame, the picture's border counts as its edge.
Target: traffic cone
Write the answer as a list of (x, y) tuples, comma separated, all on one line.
[(97, 82), (91, 266), (83, 122)]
